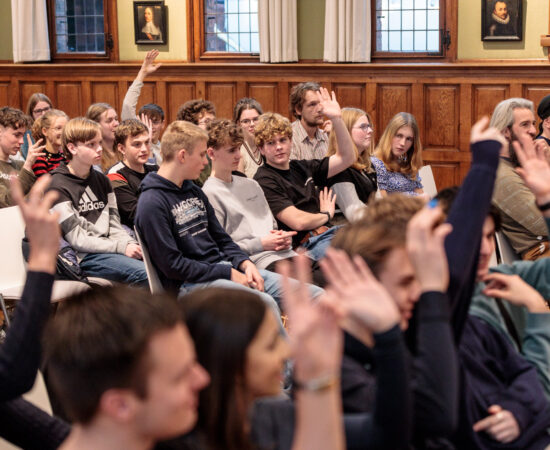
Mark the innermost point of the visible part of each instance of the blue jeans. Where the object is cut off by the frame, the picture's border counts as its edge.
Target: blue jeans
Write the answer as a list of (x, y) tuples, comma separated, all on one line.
[(115, 267), (317, 245)]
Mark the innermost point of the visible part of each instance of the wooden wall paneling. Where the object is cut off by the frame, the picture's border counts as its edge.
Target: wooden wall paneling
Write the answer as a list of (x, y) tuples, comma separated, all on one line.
[(391, 99), (442, 116), (148, 93), (465, 120), (417, 107), (371, 92), (242, 88), (4, 92), (86, 96), (26, 89), (283, 92), (14, 95), (223, 95), (68, 98), (107, 92), (265, 93), (200, 89), (350, 94), (160, 99), (486, 97), (515, 90), (176, 95), (535, 93), (445, 174)]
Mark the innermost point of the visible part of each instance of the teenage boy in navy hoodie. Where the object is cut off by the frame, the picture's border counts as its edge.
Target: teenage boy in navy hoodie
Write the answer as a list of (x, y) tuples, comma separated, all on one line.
[(187, 244)]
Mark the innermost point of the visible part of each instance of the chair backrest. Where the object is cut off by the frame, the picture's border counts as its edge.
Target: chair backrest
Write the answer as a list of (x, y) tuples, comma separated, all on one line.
[(428, 181), (505, 250), (152, 276), (12, 263)]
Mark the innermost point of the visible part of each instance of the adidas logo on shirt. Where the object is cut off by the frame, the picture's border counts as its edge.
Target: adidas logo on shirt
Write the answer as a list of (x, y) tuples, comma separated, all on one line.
[(88, 201)]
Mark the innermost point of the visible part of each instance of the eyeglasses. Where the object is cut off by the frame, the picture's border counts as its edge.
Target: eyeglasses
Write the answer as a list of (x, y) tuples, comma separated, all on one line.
[(364, 127), (205, 121), (41, 110), (249, 121)]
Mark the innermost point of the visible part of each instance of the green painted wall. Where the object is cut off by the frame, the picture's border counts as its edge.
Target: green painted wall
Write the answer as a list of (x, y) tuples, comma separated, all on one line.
[(6, 48), (470, 45), (311, 29)]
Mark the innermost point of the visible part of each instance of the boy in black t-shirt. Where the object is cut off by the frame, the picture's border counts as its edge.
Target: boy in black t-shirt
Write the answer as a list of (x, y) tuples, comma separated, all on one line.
[(290, 187), (133, 142)]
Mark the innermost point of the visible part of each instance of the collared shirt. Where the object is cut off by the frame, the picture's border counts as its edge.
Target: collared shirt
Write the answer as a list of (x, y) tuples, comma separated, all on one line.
[(305, 148)]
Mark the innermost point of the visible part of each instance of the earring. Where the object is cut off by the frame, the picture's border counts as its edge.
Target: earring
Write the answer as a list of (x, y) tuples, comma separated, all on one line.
[(402, 159)]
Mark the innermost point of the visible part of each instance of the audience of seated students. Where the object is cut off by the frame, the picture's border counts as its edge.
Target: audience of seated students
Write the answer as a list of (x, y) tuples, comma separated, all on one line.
[(522, 221), (106, 116), (151, 111), (123, 366), (354, 186), (234, 412), (37, 105), (240, 204), (13, 124), (132, 142), (186, 243), (290, 186), (49, 128), (543, 111), (398, 157), (309, 141), (200, 112), (245, 115), (87, 209)]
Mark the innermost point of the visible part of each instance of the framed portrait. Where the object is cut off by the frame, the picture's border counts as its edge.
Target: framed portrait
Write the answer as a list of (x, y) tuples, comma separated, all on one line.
[(501, 20), (150, 22)]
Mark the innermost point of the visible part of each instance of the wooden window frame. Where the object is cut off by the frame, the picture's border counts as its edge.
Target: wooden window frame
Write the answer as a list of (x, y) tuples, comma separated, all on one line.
[(448, 21), (110, 29), (196, 40)]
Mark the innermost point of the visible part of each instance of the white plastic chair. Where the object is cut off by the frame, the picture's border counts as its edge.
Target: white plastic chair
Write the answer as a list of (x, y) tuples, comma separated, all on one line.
[(506, 253), (152, 276), (428, 181), (12, 264)]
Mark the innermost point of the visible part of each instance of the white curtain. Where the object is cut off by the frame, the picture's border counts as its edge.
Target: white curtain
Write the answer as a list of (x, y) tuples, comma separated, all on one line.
[(278, 30), (29, 20), (347, 31)]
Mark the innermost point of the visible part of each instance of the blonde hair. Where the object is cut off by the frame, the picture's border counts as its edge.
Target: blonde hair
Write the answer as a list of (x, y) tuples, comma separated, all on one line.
[(503, 114), (79, 129), (270, 124), (46, 121), (180, 135), (350, 116), (414, 155)]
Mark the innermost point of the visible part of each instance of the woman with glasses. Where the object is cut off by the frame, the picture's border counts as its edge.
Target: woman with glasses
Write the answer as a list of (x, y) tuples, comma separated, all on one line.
[(38, 105), (245, 115), (355, 185)]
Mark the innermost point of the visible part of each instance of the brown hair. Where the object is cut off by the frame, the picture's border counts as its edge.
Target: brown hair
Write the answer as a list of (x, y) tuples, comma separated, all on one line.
[(79, 129), (46, 121), (243, 104), (270, 124), (14, 118), (34, 99), (223, 131), (382, 229), (298, 95), (414, 155), (99, 341), (129, 128), (193, 110), (96, 109), (350, 116), (180, 135)]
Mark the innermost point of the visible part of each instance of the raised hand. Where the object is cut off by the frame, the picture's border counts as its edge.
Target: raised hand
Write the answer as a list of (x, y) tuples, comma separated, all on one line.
[(42, 227), (365, 305), (513, 289), (425, 248), (315, 336), (535, 169), (149, 124), (481, 132), (327, 201), (330, 107), (148, 66), (35, 150)]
